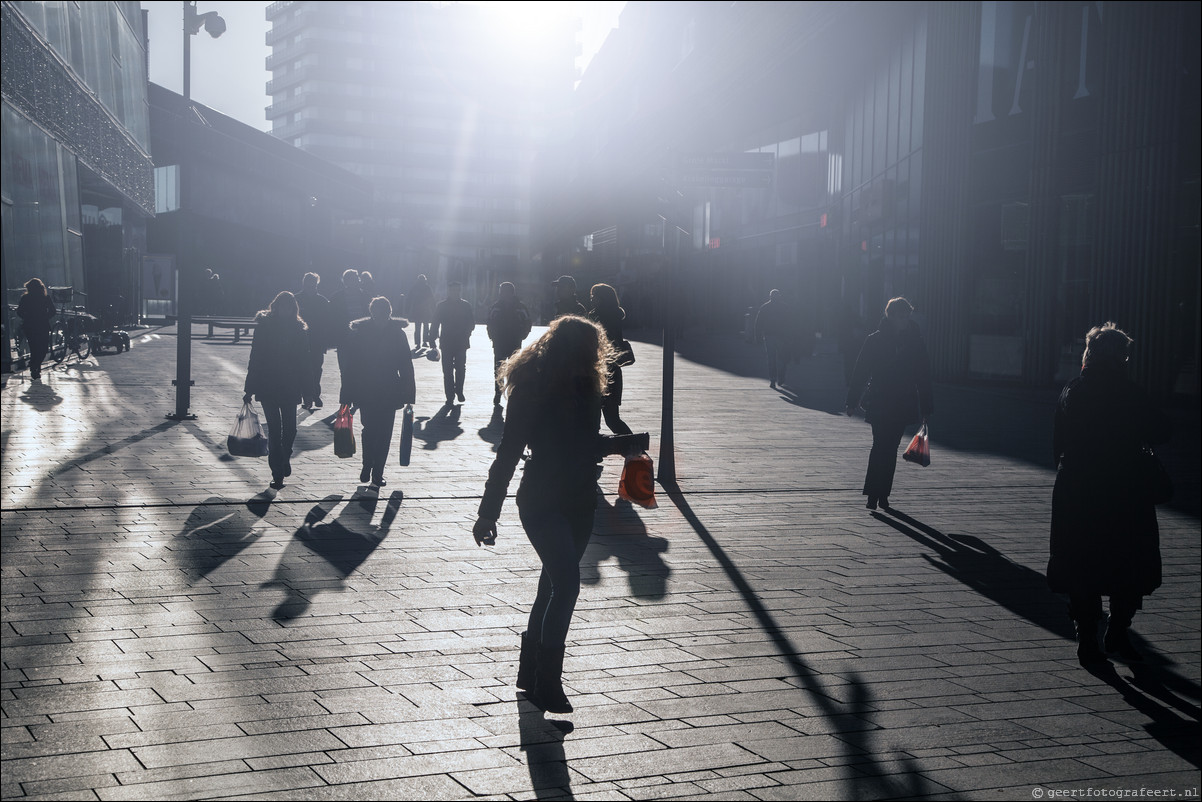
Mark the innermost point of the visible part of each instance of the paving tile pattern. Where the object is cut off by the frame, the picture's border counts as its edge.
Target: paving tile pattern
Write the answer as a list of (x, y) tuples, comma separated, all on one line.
[(174, 630)]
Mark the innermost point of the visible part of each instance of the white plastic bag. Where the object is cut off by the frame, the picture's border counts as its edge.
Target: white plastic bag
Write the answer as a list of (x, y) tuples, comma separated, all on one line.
[(248, 437)]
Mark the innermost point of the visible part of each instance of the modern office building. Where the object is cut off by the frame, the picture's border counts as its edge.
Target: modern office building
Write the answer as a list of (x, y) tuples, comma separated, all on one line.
[(77, 183), (1020, 171), (441, 109)]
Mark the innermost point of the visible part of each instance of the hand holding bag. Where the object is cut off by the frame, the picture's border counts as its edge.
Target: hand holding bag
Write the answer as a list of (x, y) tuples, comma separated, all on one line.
[(919, 450), (624, 353), (637, 484), (344, 432), (406, 434), (248, 437)]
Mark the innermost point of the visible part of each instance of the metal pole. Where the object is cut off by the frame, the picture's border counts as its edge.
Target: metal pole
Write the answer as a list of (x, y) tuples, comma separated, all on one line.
[(667, 441), (183, 286)]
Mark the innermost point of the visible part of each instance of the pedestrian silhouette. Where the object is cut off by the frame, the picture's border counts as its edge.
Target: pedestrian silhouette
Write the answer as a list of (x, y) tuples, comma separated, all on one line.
[(454, 320), (772, 327), (35, 310), (508, 325), (608, 312), (892, 383)]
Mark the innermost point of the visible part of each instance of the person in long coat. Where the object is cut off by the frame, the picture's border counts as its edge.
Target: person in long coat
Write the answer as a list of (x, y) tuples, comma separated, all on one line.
[(382, 381), (1105, 540), (35, 310), (278, 375), (454, 321), (508, 324), (315, 310), (892, 382), (555, 386), (608, 311)]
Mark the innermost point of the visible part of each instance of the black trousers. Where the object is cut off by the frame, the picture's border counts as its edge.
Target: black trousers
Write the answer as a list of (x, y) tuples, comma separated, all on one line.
[(281, 434), (39, 344), (317, 359), (1086, 608), (882, 460), (453, 363), (560, 538), (378, 423)]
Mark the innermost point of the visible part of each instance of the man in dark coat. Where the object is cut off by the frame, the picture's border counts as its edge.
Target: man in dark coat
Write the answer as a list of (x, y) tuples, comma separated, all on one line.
[(348, 303), (315, 311), (773, 322), (381, 382), (892, 381), (566, 302), (1105, 540), (508, 325), (420, 300), (454, 320)]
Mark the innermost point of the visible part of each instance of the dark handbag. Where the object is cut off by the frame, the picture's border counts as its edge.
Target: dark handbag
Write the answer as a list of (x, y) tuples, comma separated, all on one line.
[(344, 432), (919, 450), (248, 438), (406, 434), (1156, 486), (624, 353)]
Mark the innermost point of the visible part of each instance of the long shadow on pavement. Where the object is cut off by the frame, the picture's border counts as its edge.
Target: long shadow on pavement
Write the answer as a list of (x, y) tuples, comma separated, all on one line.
[(342, 544), (621, 534), (852, 719), (542, 741), (983, 568), (218, 530), (443, 425), (1178, 735)]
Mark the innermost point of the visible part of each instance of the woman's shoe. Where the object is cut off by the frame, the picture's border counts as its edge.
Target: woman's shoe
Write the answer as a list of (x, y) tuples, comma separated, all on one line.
[(378, 481), (871, 503), (548, 692), (885, 503), (277, 483), (365, 474), (1118, 641)]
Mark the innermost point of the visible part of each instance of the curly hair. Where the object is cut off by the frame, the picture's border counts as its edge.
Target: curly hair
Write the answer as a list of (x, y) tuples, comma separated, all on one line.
[(572, 348)]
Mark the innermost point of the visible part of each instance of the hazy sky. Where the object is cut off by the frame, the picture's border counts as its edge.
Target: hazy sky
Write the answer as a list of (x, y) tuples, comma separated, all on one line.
[(229, 73)]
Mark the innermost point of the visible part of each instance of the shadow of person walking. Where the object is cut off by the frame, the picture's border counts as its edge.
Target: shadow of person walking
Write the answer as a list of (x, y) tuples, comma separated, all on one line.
[(495, 428), (443, 425), (342, 544), (1179, 735), (973, 562), (619, 532), (217, 530), (542, 741)]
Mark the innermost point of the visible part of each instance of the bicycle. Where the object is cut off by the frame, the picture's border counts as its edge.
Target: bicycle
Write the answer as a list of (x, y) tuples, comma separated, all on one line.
[(70, 334)]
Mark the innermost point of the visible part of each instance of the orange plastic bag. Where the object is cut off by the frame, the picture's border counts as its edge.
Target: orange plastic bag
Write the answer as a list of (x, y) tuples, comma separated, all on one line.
[(637, 484), (919, 450)]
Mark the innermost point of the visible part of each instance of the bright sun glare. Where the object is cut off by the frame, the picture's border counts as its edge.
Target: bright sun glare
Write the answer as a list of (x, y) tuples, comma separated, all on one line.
[(531, 24)]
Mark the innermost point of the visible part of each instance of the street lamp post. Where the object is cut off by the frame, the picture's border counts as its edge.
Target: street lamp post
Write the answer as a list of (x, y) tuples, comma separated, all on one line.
[(214, 25)]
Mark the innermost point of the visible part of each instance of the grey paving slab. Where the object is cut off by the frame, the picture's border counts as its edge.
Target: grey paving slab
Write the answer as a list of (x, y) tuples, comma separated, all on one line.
[(171, 629)]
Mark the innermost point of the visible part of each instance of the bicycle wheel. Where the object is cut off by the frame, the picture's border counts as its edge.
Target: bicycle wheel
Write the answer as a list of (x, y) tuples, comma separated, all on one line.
[(58, 345), (83, 346)]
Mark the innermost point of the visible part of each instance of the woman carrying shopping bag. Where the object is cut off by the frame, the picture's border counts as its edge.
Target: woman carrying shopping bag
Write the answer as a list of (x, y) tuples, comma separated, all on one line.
[(278, 376), (555, 387)]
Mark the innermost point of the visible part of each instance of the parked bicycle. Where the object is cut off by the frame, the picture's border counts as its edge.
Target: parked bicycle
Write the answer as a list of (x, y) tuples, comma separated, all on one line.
[(71, 333)]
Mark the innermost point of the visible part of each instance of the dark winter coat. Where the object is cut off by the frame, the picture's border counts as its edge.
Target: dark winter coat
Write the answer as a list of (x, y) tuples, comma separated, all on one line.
[(561, 430), (1105, 538), (279, 369), (508, 325), (610, 318), (569, 306), (454, 320), (774, 319), (892, 377), (35, 312), (379, 364), (315, 310), (421, 302), (345, 306)]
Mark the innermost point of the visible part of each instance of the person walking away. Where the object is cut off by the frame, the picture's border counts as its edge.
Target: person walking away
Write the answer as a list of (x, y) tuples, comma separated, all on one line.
[(382, 381), (566, 302), (555, 386), (892, 382), (508, 325), (315, 311), (608, 312), (346, 304), (772, 326), (421, 311), (454, 320), (278, 375), (1105, 540), (35, 310)]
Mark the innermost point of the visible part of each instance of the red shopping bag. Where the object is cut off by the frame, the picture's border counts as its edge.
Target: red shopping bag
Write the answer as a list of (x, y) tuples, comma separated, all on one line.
[(919, 450), (637, 484), (344, 432)]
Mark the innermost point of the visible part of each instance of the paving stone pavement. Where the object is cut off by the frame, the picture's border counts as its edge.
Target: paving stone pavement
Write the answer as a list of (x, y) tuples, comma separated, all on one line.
[(172, 629)]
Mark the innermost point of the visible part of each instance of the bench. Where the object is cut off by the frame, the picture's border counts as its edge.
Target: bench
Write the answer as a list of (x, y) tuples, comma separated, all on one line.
[(238, 324)]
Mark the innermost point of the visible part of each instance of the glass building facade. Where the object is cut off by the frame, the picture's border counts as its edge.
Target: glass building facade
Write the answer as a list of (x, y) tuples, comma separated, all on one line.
[(77, 182)]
